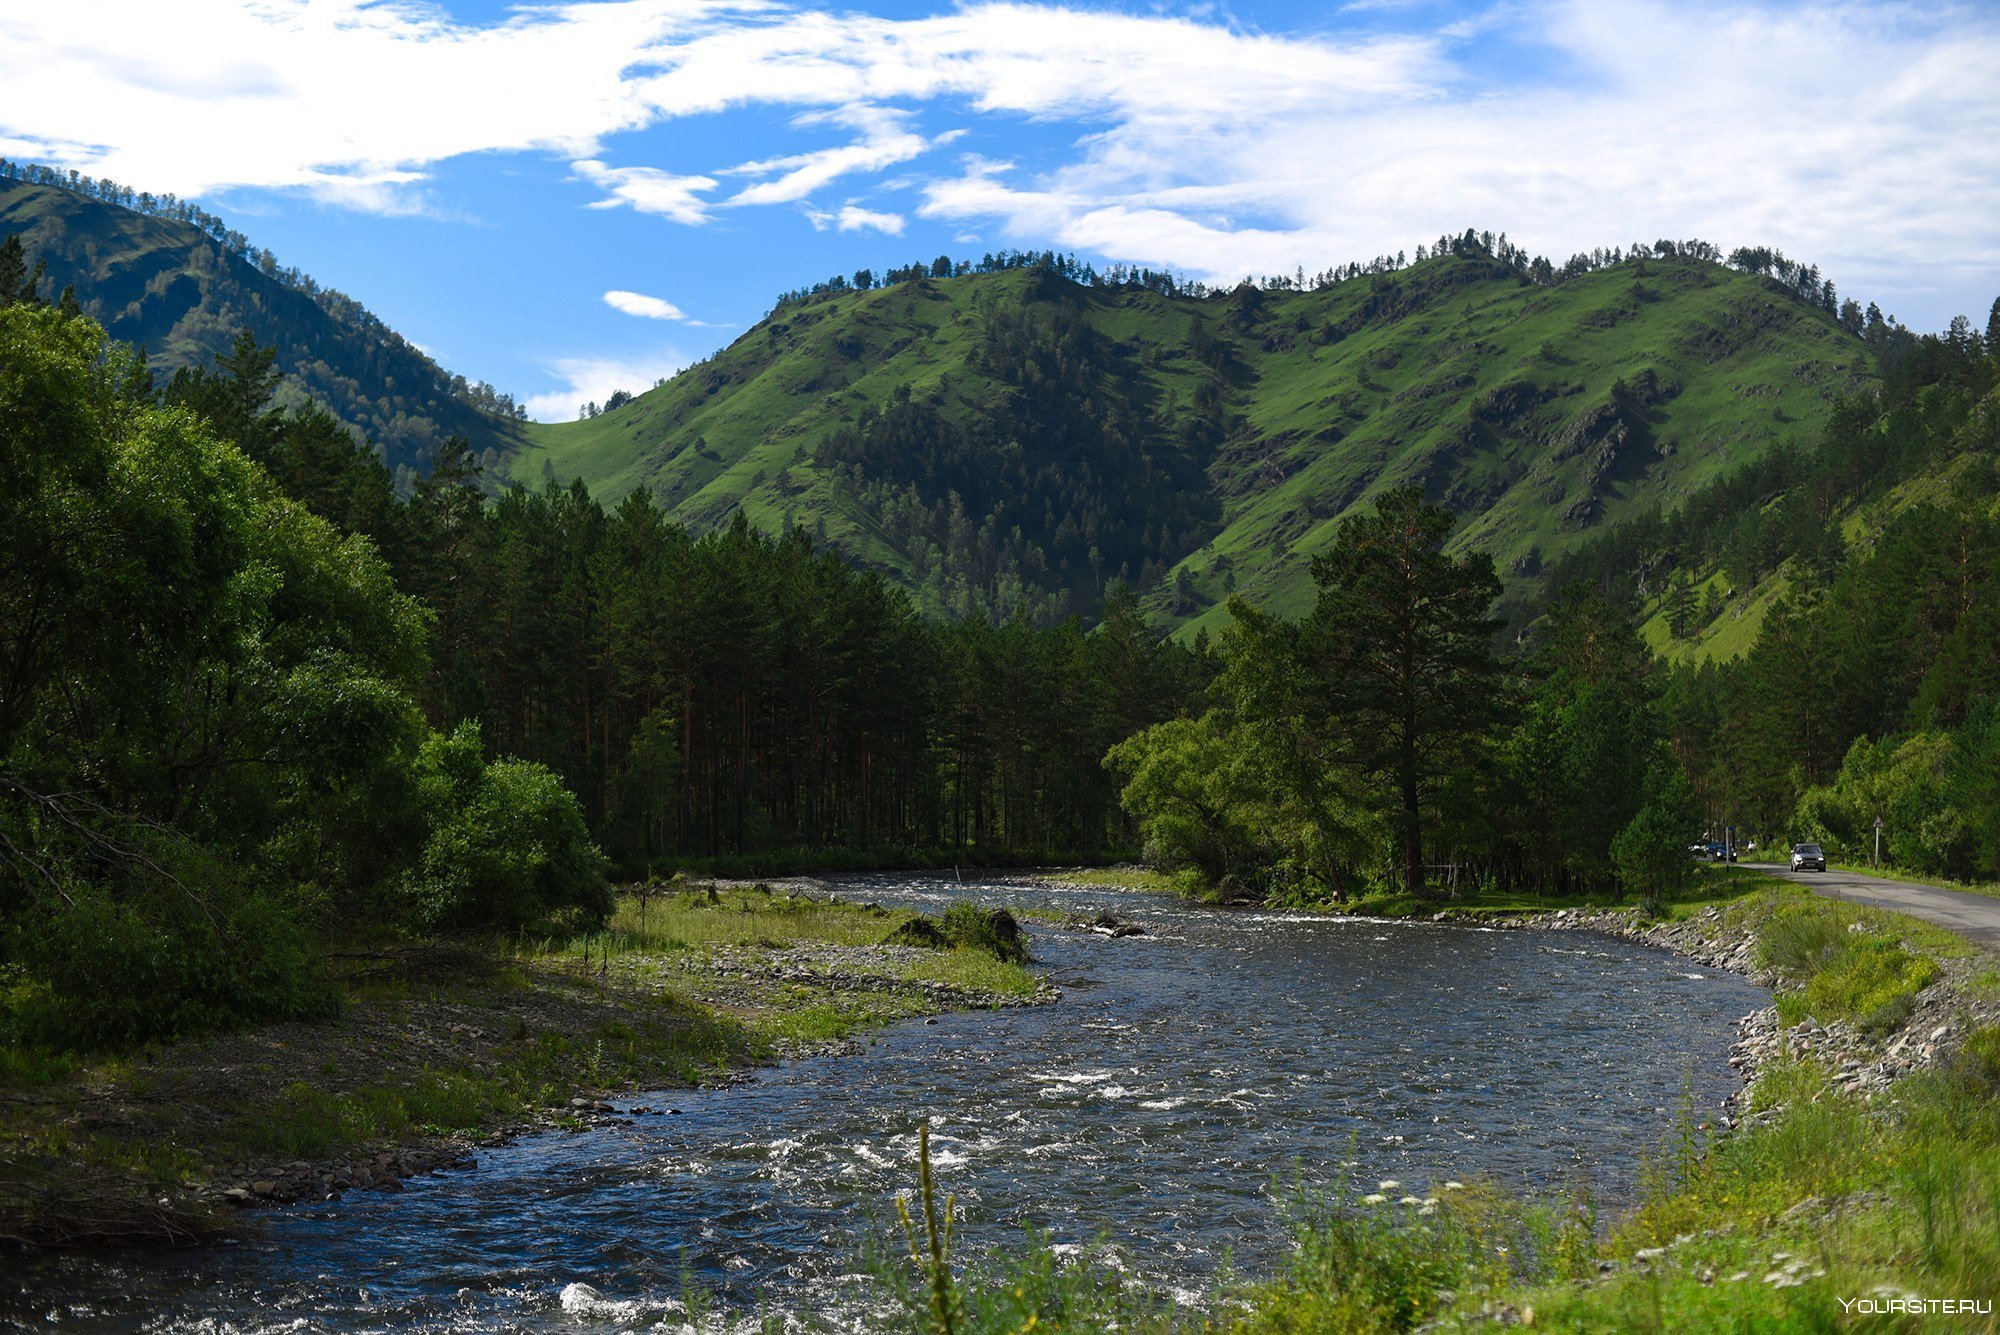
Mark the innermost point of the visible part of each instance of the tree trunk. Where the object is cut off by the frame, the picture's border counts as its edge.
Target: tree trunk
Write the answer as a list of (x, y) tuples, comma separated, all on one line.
[(1413, 820)]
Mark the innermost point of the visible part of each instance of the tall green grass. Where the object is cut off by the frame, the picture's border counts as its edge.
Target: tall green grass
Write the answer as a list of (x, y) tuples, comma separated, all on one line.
[(1843, 967)]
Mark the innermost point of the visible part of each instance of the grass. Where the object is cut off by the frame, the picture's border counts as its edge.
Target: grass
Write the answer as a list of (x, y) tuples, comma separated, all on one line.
[(766, 919), (1840, 973), (1123, 877), (1733, 631), (1445, 382), (754, 917)]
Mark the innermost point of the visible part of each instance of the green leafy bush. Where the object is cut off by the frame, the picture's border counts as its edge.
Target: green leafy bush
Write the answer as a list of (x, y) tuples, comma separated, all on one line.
[(507, 845), (992, 930), (1846, 973), (1799, 940), (106, 972), (1874, 981), (1979, 1057)]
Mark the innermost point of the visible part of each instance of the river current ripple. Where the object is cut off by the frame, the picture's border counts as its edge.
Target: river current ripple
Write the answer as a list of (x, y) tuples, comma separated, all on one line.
[(1188, 1082)]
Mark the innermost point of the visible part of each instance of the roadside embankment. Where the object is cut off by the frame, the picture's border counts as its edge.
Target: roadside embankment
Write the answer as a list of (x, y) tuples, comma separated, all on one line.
[(445, 1047)]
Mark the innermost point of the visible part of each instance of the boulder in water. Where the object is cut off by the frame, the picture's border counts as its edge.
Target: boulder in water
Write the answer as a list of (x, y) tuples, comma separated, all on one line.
[(1109, 924)]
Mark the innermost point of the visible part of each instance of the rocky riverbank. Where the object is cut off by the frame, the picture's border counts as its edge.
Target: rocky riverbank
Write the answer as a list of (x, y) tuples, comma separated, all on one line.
[(1862, 1064), (444, 1051)]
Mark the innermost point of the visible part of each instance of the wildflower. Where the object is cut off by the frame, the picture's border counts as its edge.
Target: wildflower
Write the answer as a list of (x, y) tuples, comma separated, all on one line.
[(1409, 1200), (1373, 1198), (1454, 1186), (1387, 1184)]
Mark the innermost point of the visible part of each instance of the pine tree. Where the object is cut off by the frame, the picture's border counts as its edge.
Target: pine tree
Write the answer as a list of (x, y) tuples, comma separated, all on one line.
[(251, 374), (19, 286), (1680, 608), (1400, 650)]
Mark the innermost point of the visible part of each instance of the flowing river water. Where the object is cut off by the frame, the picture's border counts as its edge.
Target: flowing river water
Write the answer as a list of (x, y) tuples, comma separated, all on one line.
[(1189, 1081)]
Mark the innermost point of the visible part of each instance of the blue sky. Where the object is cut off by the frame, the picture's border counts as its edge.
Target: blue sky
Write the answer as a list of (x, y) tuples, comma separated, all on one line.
[(568, 199)]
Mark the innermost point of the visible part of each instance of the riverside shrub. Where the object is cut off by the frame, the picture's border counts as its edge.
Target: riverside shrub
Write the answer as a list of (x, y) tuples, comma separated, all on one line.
[(991, 930), (507, 846), (1874, 982), (112, 971)]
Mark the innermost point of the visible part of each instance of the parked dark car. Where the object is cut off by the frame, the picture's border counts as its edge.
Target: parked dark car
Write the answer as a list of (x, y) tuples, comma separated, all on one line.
[(1808, 857)]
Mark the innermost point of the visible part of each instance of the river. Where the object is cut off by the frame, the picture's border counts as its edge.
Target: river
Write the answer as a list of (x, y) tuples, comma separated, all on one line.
[(1187, 1081)]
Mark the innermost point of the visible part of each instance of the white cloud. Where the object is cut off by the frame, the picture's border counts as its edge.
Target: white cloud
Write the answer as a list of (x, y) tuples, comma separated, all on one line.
[(342, 97), (1865, 138), (854, 218), (643, 306), (595, 379), (648, 190), (1861, 134), (884, 142)]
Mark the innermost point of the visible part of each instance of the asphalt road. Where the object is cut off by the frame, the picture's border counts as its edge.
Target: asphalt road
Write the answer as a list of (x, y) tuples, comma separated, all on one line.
[(1975, 917)]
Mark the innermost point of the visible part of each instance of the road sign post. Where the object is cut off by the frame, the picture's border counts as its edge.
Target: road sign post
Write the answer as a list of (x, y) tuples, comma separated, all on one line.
[(1878, 844)]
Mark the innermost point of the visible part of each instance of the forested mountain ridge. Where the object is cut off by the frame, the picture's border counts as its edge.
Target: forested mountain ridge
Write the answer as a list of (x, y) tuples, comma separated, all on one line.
[(1009, 440), (171, 286), (1829, 618)]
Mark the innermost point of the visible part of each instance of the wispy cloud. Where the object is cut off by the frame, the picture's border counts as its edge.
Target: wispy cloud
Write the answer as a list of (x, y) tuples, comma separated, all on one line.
[(649, 190), (884, 142), (854, 218), (654, 308)]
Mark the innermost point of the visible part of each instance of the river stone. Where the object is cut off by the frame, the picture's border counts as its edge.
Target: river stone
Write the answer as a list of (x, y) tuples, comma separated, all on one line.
[(918, 932)]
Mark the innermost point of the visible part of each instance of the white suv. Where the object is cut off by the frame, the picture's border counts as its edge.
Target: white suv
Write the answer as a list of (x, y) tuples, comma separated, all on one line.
[(1808, 857)]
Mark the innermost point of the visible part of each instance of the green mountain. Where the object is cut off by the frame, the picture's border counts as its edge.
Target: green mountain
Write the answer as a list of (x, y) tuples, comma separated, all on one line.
[(182, 293), (1017, 439), (1774, 535)]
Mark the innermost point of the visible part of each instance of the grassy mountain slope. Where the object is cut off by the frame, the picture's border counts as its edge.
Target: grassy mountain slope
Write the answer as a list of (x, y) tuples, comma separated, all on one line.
[(168, 286), (1943, 482), (1543, 414)]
